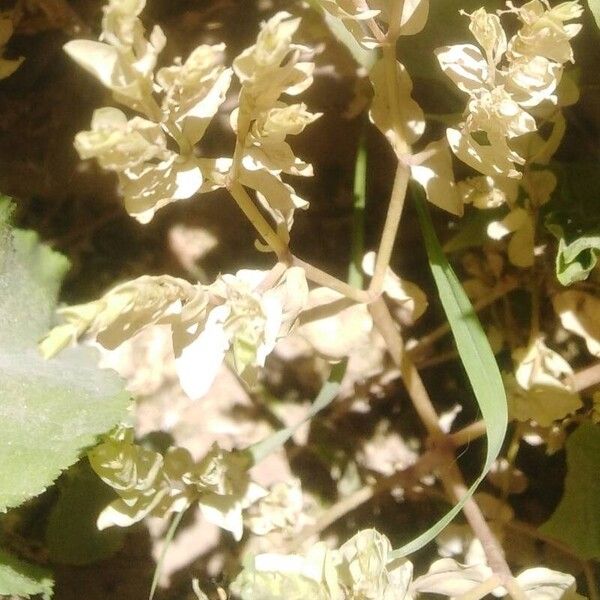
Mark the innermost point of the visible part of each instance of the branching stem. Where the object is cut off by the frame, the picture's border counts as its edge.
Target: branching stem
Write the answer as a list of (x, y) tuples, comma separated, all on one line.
[(390, 229), (450, 476), (240, 195)]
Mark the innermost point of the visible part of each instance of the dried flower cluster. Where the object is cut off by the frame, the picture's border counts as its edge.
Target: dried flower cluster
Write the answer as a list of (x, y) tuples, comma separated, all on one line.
[(149, 484)]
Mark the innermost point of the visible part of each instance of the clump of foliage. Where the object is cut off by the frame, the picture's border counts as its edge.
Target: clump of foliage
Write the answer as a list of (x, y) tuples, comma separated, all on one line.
[(514, 80)]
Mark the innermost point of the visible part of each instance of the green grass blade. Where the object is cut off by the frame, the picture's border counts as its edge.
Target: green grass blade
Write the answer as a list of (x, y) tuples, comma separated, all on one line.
[(326, 395), (355, 273), (476, 356), (167, 542)]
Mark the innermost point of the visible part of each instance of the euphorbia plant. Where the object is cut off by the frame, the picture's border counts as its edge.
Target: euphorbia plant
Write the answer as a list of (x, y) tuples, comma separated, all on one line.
[(515, 89)]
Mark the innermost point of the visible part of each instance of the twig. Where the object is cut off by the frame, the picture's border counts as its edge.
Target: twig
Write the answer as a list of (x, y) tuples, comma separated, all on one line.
[(322, 278), (419, 396), (361, 5), (587, 378), (272, 277), (450, 476), (240, 195), (390, 229), (590, 580), (471, 432), (282, 251)]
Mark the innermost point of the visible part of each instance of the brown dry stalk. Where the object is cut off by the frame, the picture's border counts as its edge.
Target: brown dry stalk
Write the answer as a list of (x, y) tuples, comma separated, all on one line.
[(450, 476)]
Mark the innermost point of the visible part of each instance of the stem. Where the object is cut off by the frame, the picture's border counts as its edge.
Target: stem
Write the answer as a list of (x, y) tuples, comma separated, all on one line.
[(452, 481), (534, 331), (451, 476), (283, 253), (355, 274), (588, 377), (392, 220), (371, 23), (322, 278), (412, 380), (482, 590), (260, 223), (272, 277), (590, 580), (471, 432), (400, 145)]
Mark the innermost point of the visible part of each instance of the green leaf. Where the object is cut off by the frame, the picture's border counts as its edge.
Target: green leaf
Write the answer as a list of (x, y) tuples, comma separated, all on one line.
[(578, 249), (476, 356), (595, 8), (167, 540), (72, 537), (23, 580), (576, 520), (50, 410), (355, 272), (328, 392), (362, 56)]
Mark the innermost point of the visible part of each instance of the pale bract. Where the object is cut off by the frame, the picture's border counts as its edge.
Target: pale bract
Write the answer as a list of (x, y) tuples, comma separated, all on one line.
[(118, 143), (359, 570), (519, 225), (506, 79), (195, 89), (366, 571), (544, 30), (229, 318), (450, 578), (223, 488), (410, 298), (579, 312), (243, 326), (543, 388), (146, 483), (262, 122), (150, 175), (541, 583), (149, 483), (179, 102), (125, 310), (485, 192), (280, 510), (291, 576), (407, 18), (340, 326)]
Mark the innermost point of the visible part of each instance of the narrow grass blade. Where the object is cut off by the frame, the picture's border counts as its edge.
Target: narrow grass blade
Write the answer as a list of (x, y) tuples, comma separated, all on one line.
[(355, 273), (167, 542), (476, 355), (328, 392)]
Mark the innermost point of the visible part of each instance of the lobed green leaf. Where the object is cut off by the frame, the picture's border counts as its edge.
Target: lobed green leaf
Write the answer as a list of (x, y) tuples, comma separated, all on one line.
[(51, 410), (23, 580)]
